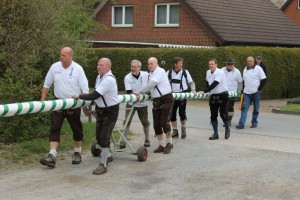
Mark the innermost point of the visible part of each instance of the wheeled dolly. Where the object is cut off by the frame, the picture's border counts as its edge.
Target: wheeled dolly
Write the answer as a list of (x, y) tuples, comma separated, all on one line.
[(141, 152)]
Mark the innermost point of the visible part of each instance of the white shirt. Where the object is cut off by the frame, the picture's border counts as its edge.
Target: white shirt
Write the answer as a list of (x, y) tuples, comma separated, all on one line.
[(252, 78), (219, 76), (67, 82), (131, 83), (107, 87), (233, 78), (185, 81), (161, 78)]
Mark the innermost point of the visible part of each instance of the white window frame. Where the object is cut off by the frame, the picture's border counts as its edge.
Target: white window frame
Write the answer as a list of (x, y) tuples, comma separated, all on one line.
[(167, 15), (123, 16), (298, 4)]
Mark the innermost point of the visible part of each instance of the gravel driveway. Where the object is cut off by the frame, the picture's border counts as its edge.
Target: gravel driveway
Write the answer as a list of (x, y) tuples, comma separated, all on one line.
[(243, 167)]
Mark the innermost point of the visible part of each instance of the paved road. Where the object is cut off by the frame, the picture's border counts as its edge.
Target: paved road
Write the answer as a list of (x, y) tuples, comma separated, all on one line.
[(270, 124)]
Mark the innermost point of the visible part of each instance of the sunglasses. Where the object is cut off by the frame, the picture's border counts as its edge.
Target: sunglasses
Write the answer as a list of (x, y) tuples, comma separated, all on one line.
[(229, 63)]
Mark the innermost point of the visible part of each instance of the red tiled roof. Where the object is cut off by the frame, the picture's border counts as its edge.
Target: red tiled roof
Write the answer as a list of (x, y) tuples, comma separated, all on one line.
[(255, 22)]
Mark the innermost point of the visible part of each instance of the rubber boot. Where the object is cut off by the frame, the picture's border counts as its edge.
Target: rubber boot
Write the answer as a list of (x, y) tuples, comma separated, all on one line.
[(183, 132), (227, 129), (229, 120), (214, 136), (146, 132)]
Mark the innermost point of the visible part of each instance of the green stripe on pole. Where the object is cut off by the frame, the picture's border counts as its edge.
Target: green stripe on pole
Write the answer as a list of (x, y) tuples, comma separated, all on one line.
[(31, 106), (20, 107), (130, 98), (74, 103), (53, 105), (124, 98), (84, 102), (5, 110), (42, 107), (64, 104)]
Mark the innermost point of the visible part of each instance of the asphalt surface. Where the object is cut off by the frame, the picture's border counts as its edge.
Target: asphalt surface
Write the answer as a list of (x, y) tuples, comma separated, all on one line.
[(261, 163)]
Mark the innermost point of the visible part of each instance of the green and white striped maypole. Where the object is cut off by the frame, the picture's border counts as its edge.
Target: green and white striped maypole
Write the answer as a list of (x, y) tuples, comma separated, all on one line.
[(8, 110)]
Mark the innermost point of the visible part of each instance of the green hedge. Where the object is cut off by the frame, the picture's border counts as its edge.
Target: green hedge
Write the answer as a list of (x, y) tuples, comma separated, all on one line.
[(283, 64)]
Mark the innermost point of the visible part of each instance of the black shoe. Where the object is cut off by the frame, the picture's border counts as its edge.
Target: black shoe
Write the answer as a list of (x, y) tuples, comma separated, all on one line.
[(227, 133), (147, 143), (183, 132), (122, 145), (239, 126), (76, 158), (253, 126), (214, 137), (175, 133), (50, 161)]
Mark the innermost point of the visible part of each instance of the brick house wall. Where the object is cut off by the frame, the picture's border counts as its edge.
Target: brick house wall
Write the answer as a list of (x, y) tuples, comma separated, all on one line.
[(191, 30), (293, 12)]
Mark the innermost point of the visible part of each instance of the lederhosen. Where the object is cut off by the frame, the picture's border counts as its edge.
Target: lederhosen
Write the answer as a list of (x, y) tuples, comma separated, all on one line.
[(105, 122), (218, 103), (161, 111), (179, 103), (57, 119)]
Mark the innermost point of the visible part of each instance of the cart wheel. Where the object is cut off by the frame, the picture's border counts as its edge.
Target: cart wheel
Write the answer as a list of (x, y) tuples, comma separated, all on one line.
[(142, 154), (95, 149)]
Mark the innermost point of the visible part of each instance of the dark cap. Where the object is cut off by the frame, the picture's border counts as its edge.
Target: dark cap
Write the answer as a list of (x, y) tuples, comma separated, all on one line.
[(229, 61), (259, 57)]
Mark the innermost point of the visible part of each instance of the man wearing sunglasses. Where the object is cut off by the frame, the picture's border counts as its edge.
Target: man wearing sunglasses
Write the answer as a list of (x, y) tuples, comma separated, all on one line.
[(234, 84)]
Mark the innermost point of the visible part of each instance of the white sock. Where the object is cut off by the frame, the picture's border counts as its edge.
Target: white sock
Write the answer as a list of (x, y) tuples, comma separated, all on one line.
[(105, 154), (53, 152), (77, 149), (161, 142), (169, 140)]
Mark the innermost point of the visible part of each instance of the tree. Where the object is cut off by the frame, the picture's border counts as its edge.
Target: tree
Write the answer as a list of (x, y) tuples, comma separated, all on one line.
[(32, 32)]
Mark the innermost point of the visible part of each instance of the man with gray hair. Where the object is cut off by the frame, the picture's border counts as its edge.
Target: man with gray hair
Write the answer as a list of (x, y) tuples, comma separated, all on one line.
[(135, 81), (106, 98), (161, 94)]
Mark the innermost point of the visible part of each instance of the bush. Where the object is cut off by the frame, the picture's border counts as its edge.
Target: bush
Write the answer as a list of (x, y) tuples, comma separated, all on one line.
[(283, 71), (15, 87)]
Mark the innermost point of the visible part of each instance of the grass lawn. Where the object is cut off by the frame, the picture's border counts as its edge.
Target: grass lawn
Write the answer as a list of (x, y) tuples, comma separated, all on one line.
[(291, 107), (31, 151)]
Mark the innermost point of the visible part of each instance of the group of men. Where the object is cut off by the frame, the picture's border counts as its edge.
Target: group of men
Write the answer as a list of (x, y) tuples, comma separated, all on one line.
[(69, 80)]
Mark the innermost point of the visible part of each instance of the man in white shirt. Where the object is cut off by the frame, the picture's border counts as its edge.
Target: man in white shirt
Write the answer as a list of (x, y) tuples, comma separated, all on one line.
[(106, 98), (180, 80), (217, 85), (234, 84), (161, 94), (69, 79), (134, 82), (254, 80)]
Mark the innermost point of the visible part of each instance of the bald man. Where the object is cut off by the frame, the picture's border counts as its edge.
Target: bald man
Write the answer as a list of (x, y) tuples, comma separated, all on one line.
[(106, 98), (161, 94), (69, 79)]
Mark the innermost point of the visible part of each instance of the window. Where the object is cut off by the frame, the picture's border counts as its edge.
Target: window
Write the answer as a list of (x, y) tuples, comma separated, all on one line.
[(167, 15), (298, 4), (122, 16)]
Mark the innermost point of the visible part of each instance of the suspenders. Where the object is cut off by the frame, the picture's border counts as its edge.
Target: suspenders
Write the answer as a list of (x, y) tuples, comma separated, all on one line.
[(155, 86), (102, 95)]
